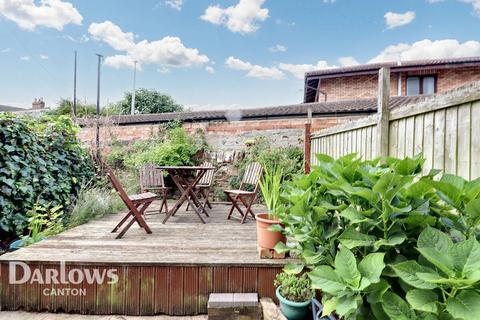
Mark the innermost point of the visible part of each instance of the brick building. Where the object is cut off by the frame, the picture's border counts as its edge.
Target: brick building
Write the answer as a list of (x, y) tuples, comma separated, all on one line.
[(408, 78)]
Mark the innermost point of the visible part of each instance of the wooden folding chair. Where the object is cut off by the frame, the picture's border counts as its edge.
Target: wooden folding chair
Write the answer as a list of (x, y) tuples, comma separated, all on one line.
[(151, 180), (136, 204), (251, 178), (204, 186)]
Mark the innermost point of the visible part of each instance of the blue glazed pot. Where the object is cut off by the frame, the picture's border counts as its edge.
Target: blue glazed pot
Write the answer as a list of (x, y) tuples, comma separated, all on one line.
[(17, 244), (293, 310)]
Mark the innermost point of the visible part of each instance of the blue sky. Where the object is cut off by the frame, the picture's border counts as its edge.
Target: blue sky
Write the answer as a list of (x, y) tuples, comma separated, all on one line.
[(211, 54)]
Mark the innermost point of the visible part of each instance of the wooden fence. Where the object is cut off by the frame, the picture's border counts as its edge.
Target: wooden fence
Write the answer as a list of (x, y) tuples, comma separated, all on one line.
[(445, 129)]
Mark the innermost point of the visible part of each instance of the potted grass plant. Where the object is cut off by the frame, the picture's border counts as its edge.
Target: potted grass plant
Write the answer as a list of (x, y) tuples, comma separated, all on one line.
[(268, 233), (294, 295)]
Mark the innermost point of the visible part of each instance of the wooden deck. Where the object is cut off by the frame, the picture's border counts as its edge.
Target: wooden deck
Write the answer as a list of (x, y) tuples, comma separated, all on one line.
[(170, 271)]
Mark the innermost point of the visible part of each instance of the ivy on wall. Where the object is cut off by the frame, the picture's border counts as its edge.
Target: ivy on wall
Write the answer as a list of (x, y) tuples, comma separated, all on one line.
[(41, 162)]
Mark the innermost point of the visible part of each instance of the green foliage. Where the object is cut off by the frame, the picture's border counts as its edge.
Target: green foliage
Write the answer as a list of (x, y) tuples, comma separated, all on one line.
[(42, 223), (445, 277), (288, 159), (41, 162), (384, 241), (177, 148), (92, 203), (294, 287), (148, 101), (270, 187), (65, 106)]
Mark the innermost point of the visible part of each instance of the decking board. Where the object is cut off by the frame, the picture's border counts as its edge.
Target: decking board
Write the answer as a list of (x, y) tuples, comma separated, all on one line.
[(170, 271)]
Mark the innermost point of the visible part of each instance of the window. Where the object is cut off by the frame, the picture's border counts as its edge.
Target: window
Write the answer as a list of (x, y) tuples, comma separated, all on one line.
[(421, 85)]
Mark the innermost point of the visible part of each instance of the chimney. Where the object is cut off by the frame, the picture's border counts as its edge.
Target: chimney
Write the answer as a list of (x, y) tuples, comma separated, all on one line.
[(38, 104)]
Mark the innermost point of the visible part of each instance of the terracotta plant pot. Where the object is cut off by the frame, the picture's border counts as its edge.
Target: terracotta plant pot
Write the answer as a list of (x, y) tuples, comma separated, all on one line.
[(266, 238)]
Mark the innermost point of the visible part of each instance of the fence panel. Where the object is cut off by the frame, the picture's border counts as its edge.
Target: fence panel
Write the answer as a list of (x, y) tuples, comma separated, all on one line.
[(445, 130)]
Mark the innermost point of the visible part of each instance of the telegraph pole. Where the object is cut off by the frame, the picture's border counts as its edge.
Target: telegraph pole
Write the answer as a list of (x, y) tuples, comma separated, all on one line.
[(75, 85), (132, 109), (97, 135)]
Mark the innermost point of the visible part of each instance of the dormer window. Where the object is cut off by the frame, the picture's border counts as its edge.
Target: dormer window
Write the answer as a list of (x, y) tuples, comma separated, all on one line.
[(417, 85)]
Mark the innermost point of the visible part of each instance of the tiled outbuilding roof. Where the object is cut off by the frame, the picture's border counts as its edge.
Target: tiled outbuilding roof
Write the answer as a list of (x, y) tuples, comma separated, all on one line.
[(288, 111), (4, 108)]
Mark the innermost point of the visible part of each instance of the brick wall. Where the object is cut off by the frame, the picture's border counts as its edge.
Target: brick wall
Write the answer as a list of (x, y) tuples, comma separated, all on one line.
[(365, 86), (222, 136)]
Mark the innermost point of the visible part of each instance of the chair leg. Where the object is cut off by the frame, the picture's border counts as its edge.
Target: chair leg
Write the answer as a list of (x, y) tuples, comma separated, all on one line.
[(248, 205), (235, 206), (122, 221), (165, 195), (205, 194), (125, 218), (164, 201)]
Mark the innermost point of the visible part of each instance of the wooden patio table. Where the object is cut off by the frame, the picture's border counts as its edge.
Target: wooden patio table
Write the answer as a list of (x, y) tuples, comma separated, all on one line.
[(185, 179)]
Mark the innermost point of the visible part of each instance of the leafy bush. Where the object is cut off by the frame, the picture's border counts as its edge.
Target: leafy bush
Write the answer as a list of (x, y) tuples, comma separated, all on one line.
[(41, 162), (96, 200), (293, 287), (384, 242), (147, 101), (178, 148), (65, 106), (43, 222), (288, 159)]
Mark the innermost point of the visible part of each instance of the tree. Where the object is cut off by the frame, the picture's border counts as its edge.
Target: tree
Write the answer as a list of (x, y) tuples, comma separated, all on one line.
[(148, 101), (64, 107)]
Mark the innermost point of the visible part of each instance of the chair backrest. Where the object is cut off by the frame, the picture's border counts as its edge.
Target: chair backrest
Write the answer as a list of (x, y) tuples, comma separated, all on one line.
[(252, 175), (207, 178), (151, 176), (118, 186)]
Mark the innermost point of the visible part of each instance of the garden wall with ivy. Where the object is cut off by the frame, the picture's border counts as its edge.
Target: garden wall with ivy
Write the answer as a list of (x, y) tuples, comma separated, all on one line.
[(41, 163)]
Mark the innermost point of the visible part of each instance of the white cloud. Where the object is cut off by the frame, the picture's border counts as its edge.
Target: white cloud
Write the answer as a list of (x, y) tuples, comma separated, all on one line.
[(428, 49), (210, 69), (167, 52), (120, 61), (25, 58), (174, 4), (163, 70), (82, 39), (6, 50), (241, 18), (43, 57), (299, 70), (475, 4), (254, 71), (110, 33), (278, 48), (49, 13), (395, 20), (434, 1), (348, 61)]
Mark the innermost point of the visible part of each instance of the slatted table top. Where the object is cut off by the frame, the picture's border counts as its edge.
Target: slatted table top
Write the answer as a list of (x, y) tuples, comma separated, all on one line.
[(182, 242), (185, 168)]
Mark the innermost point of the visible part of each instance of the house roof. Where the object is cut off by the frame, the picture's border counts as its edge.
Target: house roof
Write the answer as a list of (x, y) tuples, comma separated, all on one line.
[(278, 112), (312, 78), (4, 108)]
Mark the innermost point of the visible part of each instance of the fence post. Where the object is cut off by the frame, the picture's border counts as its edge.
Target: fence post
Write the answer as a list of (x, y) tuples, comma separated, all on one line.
[(383, 110), (307, 146)]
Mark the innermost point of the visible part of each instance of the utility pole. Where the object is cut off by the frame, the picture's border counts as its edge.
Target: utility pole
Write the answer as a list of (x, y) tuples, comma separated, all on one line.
[(132, 109), (75, 85), (97, 135)]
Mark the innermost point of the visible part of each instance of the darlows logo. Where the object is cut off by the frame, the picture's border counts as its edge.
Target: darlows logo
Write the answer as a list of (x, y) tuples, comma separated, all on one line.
[(21, 273)]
